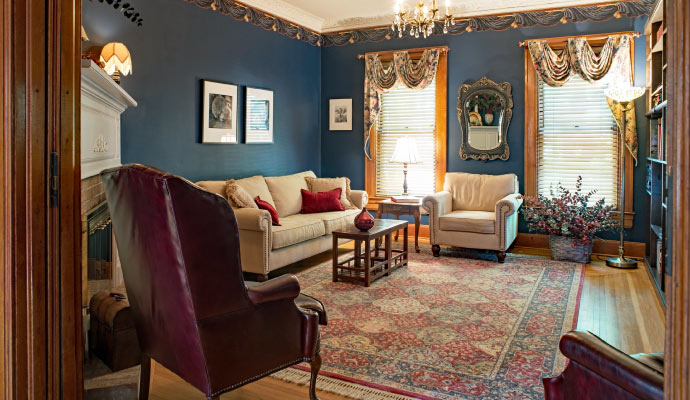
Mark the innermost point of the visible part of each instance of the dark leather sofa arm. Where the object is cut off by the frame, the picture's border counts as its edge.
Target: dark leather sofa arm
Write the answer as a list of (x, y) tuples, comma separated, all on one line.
[(595, 367), (280, 288)]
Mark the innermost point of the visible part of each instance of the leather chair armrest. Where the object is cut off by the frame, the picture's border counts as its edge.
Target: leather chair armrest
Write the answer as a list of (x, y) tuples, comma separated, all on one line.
[(589, 351), (360, 198), (280, 288), (438, 204), (253, 219), (508, 205)]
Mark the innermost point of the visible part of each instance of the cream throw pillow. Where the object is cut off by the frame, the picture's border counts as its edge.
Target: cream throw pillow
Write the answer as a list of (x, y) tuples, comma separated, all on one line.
[(286, 194), (237, 196), (256, 186), (325, 184)]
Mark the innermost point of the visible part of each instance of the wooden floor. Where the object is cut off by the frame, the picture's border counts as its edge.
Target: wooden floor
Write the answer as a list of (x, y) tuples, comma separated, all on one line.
[(619, 306)]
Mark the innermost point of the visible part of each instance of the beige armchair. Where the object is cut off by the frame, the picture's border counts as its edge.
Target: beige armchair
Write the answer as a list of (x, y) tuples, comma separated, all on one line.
[(474, 211)]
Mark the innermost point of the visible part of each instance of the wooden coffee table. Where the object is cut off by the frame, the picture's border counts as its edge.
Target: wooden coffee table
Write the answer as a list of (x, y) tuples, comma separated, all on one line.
[(367, 266)]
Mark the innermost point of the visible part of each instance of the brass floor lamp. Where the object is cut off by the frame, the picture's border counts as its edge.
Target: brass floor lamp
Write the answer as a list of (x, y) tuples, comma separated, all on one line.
[(623, 95)]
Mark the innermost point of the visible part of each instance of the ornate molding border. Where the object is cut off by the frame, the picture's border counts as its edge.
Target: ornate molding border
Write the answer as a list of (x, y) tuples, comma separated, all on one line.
[(599, 13)]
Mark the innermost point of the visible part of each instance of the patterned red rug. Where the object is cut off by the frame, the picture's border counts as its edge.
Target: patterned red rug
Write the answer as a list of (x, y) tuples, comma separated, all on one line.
[(450, 327)]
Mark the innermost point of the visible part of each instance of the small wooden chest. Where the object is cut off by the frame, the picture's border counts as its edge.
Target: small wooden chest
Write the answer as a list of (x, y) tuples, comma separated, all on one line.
[(112, 336)]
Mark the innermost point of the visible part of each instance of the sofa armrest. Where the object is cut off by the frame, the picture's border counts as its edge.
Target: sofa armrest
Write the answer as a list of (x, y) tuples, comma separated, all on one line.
[(253, 219), (508, 205), (360, 198), (438, 204), (280, 288)]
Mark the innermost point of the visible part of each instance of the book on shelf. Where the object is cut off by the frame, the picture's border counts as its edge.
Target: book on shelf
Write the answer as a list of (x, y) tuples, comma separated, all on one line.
[(406, 199), (654, 145), (659, 258)]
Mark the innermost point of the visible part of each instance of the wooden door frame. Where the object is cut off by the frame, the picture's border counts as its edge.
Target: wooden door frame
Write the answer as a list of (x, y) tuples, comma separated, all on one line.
[(40, 340)]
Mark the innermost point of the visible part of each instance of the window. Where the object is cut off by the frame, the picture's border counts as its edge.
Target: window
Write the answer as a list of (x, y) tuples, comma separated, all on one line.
[(417, 114), (577, 136), (406, 113)]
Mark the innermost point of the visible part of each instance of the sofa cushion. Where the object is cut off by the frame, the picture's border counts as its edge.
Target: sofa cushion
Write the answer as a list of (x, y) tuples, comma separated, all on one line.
[(285, 191), (237, 196), (325, 184), (256, 186), (469, 221), (335, 220), (479, 192), (217, 187), (296, 228), (321, 202)]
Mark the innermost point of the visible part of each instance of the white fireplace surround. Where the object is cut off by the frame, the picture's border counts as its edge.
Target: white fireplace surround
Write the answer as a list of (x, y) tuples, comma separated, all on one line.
[(102, 103)]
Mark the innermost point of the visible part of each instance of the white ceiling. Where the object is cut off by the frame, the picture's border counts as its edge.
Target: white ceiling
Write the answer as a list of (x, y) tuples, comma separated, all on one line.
[(325, 16)]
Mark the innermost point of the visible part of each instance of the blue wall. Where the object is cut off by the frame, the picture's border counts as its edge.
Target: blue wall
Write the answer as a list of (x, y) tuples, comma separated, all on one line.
[(472, 56), (181, 44)]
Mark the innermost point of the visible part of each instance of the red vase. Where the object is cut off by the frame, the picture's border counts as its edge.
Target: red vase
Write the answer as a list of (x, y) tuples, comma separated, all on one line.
[(364, 221)]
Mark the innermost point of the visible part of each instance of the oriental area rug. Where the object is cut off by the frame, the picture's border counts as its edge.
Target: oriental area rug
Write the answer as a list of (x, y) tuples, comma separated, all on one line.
[(445, 328)]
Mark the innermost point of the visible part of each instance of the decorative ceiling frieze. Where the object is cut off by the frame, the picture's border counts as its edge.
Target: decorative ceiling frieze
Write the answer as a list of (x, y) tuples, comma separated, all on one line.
[(528, 19)]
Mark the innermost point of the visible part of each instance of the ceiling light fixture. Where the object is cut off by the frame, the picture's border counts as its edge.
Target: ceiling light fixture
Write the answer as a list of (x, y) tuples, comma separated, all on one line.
[(421, 20)]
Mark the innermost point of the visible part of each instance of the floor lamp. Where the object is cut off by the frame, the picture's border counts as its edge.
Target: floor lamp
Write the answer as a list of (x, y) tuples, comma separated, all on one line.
[(623, 96)]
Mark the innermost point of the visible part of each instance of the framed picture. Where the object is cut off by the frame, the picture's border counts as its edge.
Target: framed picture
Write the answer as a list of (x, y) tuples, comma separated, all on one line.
[(340, 115), (259, 116), (219, 113)]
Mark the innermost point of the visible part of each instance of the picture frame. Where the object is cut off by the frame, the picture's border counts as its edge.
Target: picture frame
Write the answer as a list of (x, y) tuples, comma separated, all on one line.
[(340, 115), (258, 116), (219, 113)]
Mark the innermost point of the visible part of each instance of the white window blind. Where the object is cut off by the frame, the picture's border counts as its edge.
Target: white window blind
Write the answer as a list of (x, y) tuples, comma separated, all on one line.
[(411, 113), (577, 136)]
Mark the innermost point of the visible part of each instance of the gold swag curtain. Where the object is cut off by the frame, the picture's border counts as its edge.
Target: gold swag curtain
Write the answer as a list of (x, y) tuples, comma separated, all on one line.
[(379, 78), (611, 65)]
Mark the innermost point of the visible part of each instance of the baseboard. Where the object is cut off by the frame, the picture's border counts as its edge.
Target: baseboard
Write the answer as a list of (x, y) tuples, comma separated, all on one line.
[(601, 246)]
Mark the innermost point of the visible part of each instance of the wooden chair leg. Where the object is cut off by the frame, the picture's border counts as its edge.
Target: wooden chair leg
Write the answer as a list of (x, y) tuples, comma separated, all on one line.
[(501, 255), (436, 249), (315, 367), (145, 378)]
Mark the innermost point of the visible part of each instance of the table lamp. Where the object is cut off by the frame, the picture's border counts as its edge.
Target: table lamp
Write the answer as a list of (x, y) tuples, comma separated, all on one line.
[(623, 95), (117, 60), (405, 153)]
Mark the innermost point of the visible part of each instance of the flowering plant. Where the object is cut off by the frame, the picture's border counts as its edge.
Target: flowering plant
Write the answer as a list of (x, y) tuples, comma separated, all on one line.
[(567, 213)]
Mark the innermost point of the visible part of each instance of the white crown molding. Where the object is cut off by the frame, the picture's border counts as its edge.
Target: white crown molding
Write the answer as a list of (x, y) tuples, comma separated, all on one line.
[(288, 12)]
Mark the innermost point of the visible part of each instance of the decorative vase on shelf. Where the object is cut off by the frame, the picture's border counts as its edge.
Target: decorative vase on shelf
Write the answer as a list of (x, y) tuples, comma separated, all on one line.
[(488, 118), (364, 221)]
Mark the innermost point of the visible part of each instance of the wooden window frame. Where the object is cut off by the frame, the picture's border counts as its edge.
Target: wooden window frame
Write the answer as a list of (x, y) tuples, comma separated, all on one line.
[(532, 126), (440, 134)]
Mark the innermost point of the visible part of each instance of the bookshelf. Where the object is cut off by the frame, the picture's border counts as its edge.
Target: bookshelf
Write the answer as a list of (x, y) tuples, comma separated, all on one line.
[(658, 181)]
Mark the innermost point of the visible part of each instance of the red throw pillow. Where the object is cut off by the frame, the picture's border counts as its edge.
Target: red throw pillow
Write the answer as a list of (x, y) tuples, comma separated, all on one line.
[(264, 205), (321, 201)]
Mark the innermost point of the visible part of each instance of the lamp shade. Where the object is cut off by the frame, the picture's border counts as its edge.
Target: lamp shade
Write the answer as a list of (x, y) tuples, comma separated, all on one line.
[(116, 58), (405, 152), (624, 94)]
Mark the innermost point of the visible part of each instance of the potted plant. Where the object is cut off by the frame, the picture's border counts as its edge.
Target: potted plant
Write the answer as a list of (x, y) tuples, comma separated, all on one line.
[(569, 221)]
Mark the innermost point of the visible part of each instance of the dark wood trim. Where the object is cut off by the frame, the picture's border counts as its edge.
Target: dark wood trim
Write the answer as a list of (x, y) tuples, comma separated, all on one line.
[(601, 246), (532, 126), (677, 366), (41, 340)]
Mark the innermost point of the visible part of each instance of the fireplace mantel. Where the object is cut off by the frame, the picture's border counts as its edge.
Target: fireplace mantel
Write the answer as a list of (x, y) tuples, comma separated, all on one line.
[(102, 103)]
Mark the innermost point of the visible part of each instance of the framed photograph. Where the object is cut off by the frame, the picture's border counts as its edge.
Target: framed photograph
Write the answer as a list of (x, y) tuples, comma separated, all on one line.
[(219, 113), (259, 116), (340, 115)]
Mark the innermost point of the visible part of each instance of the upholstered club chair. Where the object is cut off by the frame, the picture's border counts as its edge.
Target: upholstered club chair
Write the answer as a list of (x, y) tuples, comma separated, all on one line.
[(474, 211), (192, 310), (596, 371)]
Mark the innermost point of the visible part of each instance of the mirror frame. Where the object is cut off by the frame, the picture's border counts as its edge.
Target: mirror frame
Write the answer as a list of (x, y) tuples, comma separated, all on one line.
[(505, 92)]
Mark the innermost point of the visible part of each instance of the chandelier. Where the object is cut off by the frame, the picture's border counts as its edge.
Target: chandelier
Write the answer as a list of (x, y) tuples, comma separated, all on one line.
[(420, 20)]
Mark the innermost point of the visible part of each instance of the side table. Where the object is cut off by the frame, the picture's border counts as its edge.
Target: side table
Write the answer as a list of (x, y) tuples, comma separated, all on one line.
[(397, 209)]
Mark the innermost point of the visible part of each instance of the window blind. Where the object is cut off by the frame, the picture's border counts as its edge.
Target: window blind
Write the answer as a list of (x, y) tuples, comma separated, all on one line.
[(577, 136), (411, 113)]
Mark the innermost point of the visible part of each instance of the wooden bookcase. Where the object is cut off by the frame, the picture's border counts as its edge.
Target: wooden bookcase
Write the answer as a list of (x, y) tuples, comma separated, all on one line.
[(658, 258)]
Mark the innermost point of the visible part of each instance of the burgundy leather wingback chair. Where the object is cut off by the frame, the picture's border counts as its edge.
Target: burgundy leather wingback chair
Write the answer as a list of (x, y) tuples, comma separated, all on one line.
[(193, 312), (597, 370)]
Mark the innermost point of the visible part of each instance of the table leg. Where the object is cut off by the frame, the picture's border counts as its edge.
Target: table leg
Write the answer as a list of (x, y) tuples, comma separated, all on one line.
[(367, 261), (377, 242), (405, 249), (389, 254), (397, 217), (417, 223), (335, 258), (358, 253)]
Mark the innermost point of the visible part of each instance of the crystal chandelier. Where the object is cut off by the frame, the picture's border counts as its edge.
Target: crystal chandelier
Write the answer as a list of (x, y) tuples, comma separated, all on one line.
[(421, 20)]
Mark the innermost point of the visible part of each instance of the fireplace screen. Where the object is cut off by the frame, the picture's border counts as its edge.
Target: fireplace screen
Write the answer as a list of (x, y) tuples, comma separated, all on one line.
[(99, 246)]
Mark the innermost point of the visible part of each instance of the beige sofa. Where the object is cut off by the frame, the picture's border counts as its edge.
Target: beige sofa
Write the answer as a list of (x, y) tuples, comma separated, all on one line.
[(264, 247), (474, 211)]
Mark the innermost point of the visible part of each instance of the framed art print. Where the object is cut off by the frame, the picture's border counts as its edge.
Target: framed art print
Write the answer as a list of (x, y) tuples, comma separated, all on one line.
[(259, 116), (340, 115), (219, 113)]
